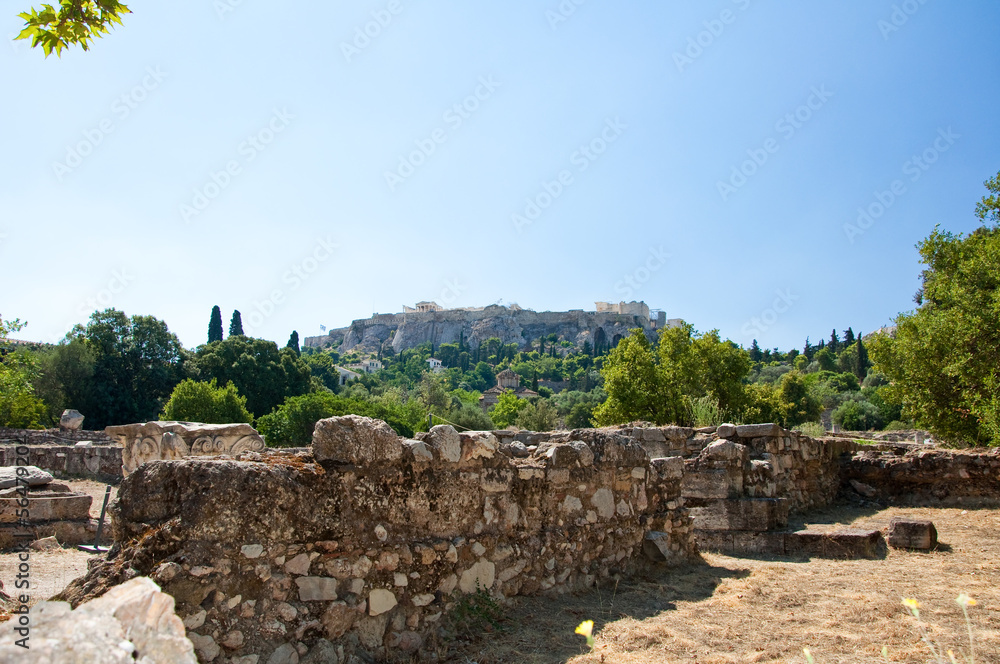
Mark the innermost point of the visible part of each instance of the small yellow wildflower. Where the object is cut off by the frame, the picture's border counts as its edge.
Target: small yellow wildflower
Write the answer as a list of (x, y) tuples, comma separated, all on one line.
[(586, 628), (913, 605), (964, 600)]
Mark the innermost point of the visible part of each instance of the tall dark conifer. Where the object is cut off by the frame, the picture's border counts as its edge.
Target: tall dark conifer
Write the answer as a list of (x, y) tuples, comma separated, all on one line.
[(215, 325), (236, 325), (293, 342)]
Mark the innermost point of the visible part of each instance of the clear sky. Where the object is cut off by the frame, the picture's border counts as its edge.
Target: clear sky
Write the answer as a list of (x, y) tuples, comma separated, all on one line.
[(708, 158)]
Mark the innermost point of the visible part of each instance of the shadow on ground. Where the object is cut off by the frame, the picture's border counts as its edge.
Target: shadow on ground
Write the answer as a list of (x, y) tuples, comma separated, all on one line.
[(543, 628)]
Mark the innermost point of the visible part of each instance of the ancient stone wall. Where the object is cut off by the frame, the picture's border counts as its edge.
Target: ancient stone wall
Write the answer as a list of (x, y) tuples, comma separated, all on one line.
[(98, 462), (372, 541), (915, 475), (51, 436)]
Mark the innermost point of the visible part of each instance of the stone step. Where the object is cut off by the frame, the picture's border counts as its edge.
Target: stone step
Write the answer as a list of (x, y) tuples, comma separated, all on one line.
[(848, 543), (755, 514)]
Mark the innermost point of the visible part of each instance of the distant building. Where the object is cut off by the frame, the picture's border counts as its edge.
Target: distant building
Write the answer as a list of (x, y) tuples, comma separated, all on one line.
[(346, 375), (435, 365), (423, 307), (506, 380), (368, 366), (624, 308)]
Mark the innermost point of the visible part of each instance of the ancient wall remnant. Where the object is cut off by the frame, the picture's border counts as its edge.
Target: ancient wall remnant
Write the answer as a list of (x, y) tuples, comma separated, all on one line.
[(176, 440), (916, 475), (53, 508), (371, 541)]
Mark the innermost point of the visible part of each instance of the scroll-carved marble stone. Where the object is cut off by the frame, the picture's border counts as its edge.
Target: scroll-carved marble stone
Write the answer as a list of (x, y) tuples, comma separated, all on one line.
[(176, 440)]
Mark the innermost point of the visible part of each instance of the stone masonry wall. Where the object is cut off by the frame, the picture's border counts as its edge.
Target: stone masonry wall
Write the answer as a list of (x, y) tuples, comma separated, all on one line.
[(99, 462), (365, 547), (910, 475)]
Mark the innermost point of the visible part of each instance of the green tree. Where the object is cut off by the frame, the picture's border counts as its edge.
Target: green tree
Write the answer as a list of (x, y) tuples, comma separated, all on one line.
[(580, 416), (75, 22), (292, 423), (66, 374), (293, 342), (506, 409), (643, 384), (198, 401), (215, 325), (857, 415), (136, 363), (793, 404), (538, 416), (943, 361), (236, 324), (261, 372), (20, 407)]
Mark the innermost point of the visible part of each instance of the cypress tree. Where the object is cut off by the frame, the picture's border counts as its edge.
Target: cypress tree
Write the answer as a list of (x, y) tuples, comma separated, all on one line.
[(215, 325), (293, 342), (863, 362), (236, 325)]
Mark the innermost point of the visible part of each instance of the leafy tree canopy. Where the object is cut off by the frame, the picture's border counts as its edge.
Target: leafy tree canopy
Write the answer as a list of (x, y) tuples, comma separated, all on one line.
[(198, 401), (943, 361)]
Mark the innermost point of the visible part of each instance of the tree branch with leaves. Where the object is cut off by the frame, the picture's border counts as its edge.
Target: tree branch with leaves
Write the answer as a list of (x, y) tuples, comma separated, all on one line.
[(75, 22)]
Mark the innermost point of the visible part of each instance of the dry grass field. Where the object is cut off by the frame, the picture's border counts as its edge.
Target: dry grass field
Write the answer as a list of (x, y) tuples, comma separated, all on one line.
[(734, 610)]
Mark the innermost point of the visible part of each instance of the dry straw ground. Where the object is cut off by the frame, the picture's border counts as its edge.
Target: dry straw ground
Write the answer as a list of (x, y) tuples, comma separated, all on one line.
[(734, 610)]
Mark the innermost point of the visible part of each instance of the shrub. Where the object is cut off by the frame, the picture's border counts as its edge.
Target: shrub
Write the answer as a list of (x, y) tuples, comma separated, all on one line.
[(292, 423), (198, 401), (812, 429), (857, 415)]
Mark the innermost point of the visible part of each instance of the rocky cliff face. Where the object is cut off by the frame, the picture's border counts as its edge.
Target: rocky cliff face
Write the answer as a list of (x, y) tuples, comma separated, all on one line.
[(510, 325)]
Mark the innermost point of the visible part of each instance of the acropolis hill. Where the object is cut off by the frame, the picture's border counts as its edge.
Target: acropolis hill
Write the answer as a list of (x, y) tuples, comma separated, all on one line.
[(430, 322)]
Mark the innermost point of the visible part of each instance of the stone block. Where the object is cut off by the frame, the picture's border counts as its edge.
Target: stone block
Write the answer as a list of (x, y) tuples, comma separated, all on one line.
[(445, 442), (846, 544), (71, 420), (912, 533), (669, 468), (51, 507), (10, 476), (354, 439), (726, 431), (758, 430), (751, 514), (154, 441), (726, 451), (705, 484)]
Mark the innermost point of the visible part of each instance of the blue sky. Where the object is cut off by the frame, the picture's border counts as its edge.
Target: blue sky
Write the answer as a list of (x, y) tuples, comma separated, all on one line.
[(709, 159)]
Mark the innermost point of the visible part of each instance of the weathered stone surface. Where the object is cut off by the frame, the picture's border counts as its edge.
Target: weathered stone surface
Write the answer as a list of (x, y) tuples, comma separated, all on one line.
[(758, 430), (419, 450), (742, 514), (133, 618), (907, 533), (12, 476), (865, 490), (150, 442), (71, 420), (49, 506), (604, 502), (355, 439), (284, 654), (45, 544), (445, 442), (726, 431), (298, 565), (846, 543), (322, 652), (478, 445), (479, 576), (316, 588), (252, 551), (338, 619), (725, 450), (380, 600)]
